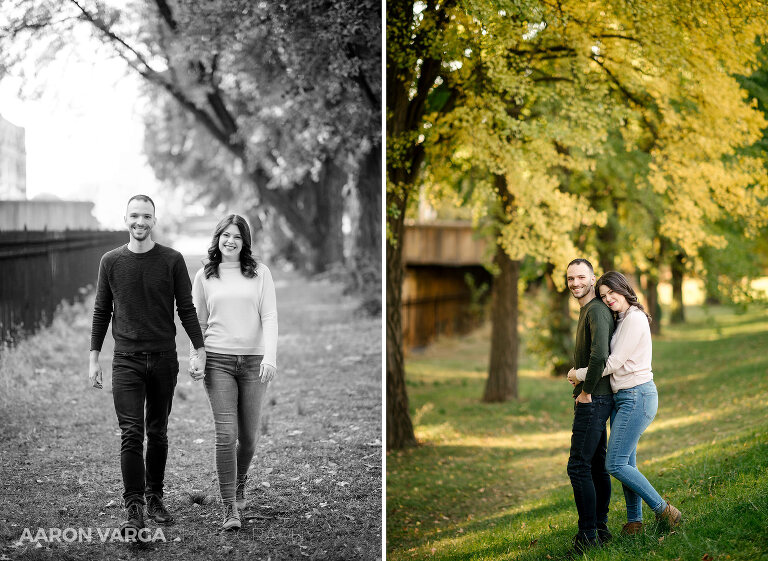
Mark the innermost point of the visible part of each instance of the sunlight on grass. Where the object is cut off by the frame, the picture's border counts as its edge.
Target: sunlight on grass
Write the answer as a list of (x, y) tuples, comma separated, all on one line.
[(490, 480), (536, 441)]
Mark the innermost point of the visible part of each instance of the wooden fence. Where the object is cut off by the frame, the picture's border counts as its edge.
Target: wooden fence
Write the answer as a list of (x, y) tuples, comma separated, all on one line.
[(39, 269)]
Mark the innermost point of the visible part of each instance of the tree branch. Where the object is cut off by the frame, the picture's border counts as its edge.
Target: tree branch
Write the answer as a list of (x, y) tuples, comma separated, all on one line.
[(236, 147), (552, 79), (550, 52), (640, 103), (617, 36), (167, 15)]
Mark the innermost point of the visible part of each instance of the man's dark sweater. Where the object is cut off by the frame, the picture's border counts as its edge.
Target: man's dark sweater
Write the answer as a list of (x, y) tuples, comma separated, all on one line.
[(593, 342), (136, 292)]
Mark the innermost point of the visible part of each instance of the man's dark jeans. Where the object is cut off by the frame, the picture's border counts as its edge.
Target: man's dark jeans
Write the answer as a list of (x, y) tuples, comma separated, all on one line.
[(139, 379), (586, 465)]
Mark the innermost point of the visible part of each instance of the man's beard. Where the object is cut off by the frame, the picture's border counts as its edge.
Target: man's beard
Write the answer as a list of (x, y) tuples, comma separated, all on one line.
[(141, 235)]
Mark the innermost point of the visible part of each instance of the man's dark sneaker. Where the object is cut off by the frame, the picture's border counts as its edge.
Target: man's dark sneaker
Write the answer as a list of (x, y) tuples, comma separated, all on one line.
[(580, 544), (156, 510), (240, 499), (603, 533), (134, 521)]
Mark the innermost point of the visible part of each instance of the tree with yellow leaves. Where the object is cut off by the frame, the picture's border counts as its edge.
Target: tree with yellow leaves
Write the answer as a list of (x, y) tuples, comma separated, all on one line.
[(525, 90)]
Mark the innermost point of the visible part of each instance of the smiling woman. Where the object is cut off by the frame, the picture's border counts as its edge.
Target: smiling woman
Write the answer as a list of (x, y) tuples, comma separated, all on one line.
[(237, 310)]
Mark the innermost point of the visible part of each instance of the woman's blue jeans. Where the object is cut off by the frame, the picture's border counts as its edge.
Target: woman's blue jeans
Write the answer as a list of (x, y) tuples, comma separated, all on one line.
[(235, 392), (633, 411)]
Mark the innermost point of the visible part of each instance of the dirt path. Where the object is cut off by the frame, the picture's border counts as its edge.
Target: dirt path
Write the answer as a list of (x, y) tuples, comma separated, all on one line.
[(315, 480)]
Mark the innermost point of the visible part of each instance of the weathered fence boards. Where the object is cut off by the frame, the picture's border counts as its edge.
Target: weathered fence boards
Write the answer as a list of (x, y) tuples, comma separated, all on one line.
[(438, 301), (40, 269)]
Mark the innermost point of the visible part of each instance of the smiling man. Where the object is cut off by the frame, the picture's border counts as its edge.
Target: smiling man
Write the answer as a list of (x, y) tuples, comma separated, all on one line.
[(592, 408), (137, 286)]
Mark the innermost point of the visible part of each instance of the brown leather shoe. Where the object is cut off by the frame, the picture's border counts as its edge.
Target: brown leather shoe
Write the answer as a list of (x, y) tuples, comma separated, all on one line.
[(671, 515), (632, 528)]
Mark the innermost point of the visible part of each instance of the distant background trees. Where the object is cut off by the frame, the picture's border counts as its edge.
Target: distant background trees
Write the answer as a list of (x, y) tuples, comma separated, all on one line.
[(622, 132), (273, 106)]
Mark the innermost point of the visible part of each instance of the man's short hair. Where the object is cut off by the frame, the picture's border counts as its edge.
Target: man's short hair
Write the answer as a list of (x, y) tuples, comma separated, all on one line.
[(144, 198), (580, 262)]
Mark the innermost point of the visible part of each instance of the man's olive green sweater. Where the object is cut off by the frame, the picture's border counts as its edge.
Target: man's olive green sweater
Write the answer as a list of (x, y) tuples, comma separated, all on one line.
[(593, 345)]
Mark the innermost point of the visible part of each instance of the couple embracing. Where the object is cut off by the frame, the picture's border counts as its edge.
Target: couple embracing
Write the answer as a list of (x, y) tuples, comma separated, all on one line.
[(230, 316), (612, 379)]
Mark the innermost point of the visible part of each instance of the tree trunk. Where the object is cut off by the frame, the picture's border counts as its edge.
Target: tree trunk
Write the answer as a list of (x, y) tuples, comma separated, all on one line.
[(501, 384), (560, 327), (652, 296), (677, 314), (606, 247), (327, 237), (365, 270), (399, 427), (369, 191)]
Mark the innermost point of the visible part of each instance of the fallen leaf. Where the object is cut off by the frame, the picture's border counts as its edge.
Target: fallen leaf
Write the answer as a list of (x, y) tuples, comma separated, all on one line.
[(706, 557)]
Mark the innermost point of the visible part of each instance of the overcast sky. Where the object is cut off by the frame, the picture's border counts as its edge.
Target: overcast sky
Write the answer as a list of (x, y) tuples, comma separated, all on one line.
[(84, 135)]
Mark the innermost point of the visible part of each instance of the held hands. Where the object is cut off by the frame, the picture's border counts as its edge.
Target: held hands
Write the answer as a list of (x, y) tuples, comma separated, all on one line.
[(572, 377), (267, 373), (197, 364)]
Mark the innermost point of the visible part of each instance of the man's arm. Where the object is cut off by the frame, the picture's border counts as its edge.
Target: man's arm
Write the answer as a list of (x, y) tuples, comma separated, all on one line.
[(102, 308), (102, 315), (182, 292), (196, 370), (599, 350)]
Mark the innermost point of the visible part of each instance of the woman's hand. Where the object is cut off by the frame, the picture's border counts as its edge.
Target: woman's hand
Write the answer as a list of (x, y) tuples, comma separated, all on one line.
[(572, 377), (267, 373)]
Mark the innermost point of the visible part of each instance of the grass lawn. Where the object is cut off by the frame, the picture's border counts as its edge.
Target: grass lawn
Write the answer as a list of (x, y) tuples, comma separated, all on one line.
[(315, 482), (489, 480)]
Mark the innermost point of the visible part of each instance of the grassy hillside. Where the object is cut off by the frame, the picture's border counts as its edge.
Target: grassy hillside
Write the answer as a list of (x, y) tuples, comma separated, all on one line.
[(490, 482)]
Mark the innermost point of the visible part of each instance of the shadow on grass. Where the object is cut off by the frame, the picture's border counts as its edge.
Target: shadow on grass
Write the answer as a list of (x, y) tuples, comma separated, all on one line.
[(723, 494)]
